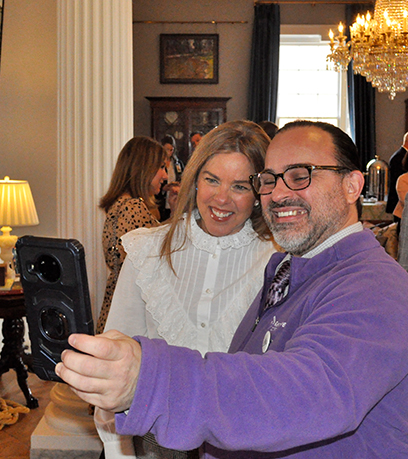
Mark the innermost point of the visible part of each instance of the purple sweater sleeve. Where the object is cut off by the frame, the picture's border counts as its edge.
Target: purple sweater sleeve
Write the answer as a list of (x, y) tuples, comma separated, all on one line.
[(172, 369), (265, 402)]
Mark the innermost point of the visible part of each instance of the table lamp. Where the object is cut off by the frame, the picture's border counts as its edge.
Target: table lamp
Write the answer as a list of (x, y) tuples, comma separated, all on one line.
[(17, 208)]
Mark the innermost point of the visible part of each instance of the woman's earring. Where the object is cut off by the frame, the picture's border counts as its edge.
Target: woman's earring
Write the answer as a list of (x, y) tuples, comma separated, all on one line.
[(256, 203)]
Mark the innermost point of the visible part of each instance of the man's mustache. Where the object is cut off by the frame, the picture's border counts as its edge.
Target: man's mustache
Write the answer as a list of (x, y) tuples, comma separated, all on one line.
[(288, 203)]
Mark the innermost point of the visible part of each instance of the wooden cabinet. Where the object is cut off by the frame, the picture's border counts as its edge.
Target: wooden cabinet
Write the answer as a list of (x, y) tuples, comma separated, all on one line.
[(180, 116)]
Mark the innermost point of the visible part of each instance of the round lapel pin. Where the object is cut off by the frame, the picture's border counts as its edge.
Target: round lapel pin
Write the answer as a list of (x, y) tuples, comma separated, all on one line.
[(266, 341)]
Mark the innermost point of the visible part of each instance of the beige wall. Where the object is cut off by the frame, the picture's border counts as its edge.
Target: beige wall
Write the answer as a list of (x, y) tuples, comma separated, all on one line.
[(28, 104), (235, 42), (28, 81), (234, 51)]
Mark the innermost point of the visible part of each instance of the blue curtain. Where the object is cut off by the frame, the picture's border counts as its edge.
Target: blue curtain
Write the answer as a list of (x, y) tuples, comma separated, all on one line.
[(264, 70), (361, 100)]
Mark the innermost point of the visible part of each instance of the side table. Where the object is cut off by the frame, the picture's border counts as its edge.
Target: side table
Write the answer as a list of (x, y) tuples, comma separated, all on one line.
[(374, 212), (12, 311)]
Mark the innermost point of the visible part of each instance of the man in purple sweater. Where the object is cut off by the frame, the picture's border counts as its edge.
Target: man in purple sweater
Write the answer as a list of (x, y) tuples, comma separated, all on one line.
[(321, 373)]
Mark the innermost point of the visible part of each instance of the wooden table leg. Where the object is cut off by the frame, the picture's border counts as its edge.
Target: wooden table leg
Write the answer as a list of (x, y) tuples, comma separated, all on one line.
[(11, 356)]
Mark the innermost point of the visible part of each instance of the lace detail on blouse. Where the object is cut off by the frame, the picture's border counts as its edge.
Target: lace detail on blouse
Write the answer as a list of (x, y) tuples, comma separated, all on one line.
[(204, 241), (172, 301)]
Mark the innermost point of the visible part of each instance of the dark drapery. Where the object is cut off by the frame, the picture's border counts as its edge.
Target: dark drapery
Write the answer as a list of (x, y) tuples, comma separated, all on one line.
[(264, 71), (361, 100)]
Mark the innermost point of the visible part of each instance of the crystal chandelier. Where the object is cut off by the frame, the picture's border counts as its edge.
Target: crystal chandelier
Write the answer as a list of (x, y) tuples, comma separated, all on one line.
[(378, 47)]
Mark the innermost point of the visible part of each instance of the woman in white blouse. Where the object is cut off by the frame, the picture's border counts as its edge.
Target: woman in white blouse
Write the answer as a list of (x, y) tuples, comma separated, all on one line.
[(190, 282)]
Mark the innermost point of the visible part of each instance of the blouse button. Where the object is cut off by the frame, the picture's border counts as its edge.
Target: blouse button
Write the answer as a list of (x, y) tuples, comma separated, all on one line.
[(214, 255), (202, 325), (208, 291)]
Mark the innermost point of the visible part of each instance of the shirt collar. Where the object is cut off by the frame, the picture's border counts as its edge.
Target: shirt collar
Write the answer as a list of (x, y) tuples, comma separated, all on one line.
[(329, 242)]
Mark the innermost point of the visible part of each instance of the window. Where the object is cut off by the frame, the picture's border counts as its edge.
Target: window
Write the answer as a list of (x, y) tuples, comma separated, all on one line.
[(306, 89)]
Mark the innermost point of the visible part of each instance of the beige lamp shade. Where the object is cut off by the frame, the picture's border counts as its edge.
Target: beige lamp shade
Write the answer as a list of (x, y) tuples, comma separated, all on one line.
[(17, 206)]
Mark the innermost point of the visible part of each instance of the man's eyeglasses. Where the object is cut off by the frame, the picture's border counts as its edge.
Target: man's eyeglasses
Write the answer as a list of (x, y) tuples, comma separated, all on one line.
[(296, 178)]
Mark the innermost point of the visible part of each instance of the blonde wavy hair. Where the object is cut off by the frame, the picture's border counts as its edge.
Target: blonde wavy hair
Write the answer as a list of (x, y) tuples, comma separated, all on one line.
[(245, 137)]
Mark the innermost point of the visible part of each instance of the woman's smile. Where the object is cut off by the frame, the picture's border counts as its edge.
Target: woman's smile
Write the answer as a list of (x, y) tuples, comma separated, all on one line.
[(220, 214)]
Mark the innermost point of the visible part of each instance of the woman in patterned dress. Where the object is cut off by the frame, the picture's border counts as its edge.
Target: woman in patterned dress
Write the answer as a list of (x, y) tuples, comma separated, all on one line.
[(129, 203)]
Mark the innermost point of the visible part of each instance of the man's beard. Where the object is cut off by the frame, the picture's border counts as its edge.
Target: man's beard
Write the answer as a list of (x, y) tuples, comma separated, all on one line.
[(298, 238)]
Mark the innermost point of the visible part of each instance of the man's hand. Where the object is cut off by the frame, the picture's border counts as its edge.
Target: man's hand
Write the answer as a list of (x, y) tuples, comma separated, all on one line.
[(106, 374)]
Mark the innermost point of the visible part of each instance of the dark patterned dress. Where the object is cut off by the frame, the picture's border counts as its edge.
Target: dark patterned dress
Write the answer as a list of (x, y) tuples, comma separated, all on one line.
[(123, 216)]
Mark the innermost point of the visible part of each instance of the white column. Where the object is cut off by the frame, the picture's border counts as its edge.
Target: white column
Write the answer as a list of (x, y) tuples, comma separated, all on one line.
[(95, 119), (66, 431)]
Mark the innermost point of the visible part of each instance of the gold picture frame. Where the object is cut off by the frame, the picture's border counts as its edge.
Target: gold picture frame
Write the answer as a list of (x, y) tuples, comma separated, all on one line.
[(189, 58)]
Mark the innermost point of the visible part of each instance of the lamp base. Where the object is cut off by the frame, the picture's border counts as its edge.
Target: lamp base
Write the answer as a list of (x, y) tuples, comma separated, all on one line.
[(7, 243)]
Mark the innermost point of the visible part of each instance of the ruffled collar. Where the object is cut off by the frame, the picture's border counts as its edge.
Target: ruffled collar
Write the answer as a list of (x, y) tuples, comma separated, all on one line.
[(204, 241)]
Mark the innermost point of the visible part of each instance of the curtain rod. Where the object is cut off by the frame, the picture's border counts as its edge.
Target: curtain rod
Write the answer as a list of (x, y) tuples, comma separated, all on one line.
[(311, 2), (190, 22)]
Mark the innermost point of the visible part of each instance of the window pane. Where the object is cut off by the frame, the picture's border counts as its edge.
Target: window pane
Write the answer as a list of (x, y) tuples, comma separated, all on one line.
[(282, 121), (306, 88)]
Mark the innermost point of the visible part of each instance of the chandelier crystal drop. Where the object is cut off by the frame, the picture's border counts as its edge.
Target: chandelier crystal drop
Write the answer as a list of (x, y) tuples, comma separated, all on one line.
[(378, 46)]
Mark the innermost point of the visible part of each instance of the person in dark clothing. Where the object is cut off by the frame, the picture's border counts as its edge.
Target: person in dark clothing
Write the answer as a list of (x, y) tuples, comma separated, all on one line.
[(395, 169)]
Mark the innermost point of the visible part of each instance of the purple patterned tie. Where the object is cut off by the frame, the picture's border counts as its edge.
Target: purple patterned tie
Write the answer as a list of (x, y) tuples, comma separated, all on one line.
[(278, 286)]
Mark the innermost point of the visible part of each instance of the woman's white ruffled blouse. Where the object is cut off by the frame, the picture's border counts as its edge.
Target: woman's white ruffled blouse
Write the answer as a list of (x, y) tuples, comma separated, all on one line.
[(200, 308)]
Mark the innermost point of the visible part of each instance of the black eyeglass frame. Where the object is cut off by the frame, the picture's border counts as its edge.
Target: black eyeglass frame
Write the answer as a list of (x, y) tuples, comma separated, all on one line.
[(310, 168)]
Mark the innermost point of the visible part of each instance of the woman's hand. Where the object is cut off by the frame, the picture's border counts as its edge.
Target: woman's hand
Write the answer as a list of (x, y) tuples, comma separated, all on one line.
[(106, 374), (173, 189)]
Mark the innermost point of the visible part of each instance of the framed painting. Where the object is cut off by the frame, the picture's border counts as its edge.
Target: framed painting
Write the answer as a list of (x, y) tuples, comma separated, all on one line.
[(189, 58)]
